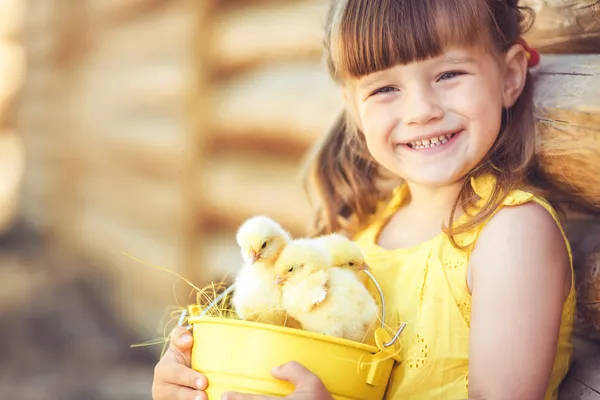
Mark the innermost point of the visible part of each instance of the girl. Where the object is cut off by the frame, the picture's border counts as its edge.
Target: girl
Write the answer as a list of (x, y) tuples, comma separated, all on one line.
[(439, 95)]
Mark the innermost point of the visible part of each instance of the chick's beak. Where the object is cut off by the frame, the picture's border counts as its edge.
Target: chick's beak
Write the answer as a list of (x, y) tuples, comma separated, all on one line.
[(254, 256), (279, 280), (363, 267)]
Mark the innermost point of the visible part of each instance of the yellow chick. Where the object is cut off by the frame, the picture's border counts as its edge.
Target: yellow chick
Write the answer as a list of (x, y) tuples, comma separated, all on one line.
[(255, 298), (324, 299), (346, 253)]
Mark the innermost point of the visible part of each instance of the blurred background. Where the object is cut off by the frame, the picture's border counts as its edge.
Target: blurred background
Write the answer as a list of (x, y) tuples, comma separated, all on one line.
[(147, 127), (153, 128)]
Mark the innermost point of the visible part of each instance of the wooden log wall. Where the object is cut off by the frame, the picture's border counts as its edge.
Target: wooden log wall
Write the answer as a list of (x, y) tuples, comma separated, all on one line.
[(566, 26), (105, 113)]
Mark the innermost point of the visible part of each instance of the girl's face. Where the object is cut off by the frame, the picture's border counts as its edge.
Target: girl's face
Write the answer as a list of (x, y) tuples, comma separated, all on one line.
[(432, 121)]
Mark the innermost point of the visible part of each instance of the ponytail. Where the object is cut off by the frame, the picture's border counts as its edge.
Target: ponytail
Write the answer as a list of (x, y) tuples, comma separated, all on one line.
[(342, 176)]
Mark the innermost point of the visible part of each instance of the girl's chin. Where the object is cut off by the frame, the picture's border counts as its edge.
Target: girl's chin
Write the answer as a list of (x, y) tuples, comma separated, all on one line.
[(434, 179)]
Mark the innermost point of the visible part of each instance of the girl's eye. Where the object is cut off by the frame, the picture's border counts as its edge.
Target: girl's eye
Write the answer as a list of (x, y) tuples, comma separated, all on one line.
[(449, 75), (384, 90)]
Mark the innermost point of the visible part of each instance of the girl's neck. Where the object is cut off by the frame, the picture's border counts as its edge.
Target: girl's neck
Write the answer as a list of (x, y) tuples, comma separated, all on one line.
[(433, 204)]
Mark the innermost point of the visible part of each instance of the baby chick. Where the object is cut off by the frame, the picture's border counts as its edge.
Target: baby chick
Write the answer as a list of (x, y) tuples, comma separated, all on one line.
[(255, 298), (325, 299), (261, 239), (346, 253)]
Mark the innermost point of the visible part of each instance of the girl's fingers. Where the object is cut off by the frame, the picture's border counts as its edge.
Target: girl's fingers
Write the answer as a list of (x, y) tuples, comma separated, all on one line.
[(181, 375), (180, 347), (244, 396), (181, 339), (184, 393)]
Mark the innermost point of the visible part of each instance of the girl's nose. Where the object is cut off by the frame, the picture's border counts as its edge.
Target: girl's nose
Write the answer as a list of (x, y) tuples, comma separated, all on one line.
[(422, 106)]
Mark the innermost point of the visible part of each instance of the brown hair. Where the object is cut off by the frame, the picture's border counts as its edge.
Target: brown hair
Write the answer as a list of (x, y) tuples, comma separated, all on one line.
[(366, 36)]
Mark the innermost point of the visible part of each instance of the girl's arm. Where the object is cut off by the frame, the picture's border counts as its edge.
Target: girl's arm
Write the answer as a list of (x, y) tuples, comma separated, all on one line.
[(520, 277)]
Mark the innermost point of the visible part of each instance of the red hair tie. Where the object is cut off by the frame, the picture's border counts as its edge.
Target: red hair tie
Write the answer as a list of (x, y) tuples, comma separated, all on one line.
[(532, 55)]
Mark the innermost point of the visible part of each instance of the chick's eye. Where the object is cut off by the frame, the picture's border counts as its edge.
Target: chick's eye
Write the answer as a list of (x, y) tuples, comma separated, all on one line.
[(264, 245), (291, 269), (351, 264)]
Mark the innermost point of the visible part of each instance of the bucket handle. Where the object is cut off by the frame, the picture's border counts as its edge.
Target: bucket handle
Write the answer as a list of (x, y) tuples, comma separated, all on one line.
[(230, 289), (401, 329)]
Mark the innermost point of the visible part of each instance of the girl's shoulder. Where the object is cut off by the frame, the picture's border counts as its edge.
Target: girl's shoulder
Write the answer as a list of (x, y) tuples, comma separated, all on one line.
[(521, 210), (537, 206), (523, 220)]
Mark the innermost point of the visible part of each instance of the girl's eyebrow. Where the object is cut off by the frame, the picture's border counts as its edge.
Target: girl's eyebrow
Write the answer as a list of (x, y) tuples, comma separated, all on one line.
[(455, 59), (369, 81), (372, 79)]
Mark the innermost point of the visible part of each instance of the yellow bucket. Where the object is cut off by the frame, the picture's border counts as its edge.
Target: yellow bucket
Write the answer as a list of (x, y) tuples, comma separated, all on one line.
[(239, 355)]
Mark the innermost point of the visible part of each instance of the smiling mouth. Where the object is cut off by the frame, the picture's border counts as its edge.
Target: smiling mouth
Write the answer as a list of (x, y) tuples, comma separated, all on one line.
[(431, 142)]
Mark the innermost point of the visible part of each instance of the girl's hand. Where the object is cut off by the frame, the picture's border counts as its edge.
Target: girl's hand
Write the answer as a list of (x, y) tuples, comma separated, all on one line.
[(173, 377), (308, 385)]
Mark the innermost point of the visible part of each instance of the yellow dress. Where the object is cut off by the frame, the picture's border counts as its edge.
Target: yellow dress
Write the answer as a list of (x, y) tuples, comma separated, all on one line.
[(426, 287)]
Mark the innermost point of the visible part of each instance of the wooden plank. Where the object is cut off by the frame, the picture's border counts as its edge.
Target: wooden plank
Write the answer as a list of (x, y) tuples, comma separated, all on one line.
[(296, 101), (148, 203), (109, 12), (588, 293), (68, 21), (12, 73), (585, 349), (582, 381), (199, 130), (158, 156), (12, 165), (565, 26), (586, 371), (568, 105), (572, 389), (37, 16), (152, 38), (153, 89), (239, 185), (567, 87), (245, 35)]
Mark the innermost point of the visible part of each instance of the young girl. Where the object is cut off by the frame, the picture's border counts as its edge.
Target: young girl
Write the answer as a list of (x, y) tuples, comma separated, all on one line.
[(438, 94)]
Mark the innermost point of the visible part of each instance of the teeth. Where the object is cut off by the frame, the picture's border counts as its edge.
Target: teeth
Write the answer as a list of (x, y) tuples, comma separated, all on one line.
[(428, 143)]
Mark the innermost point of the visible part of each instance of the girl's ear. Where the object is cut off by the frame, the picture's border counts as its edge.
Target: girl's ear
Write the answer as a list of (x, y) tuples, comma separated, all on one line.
[(515, 74)]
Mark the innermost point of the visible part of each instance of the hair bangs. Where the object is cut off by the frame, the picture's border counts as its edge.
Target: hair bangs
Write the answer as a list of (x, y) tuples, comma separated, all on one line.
[(373, 35)]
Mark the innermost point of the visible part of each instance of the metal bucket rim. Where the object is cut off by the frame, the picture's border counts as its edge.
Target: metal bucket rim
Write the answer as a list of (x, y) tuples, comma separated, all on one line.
[(193, 320)]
